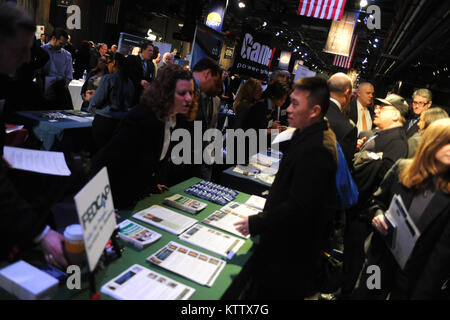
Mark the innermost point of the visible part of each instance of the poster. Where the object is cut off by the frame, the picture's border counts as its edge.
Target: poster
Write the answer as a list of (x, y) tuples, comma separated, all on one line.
[(207, 43), (216, 13), (128, 41), (341, 35)]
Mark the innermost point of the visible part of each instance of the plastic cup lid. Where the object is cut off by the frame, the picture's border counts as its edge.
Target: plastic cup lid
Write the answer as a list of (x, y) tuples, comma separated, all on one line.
[(74, 232)]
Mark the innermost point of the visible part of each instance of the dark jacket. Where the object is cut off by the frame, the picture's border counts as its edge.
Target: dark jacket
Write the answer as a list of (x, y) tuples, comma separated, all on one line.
[(428, 267), (132, 156), (346, 132), (293, 226), (394, 146), (137, 74), (19, 223)]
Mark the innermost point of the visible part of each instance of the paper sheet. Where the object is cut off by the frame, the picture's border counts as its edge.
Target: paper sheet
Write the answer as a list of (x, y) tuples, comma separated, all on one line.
[(284, 136), (225, 221), (406, 234), (46, 162), (256, 202)]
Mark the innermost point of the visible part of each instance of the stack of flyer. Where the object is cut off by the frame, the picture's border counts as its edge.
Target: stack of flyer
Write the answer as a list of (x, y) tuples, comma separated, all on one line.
[(137, 235), (184, 203), (140, 283), (212, 192), (165, 219)]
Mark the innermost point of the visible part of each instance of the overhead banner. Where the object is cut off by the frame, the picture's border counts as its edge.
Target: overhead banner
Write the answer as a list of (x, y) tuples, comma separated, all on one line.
[(128, 41), (254, 55), (341, 34), (285, 59), (216, 14), (303, 72), (207, 43)]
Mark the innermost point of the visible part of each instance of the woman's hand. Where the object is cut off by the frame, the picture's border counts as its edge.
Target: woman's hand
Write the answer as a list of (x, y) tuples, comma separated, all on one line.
[(162, 188), (380, 224), (242, 227)]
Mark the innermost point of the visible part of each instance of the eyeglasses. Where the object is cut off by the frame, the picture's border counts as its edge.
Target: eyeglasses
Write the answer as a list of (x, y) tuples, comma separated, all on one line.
[(419, 103), (380, 108)]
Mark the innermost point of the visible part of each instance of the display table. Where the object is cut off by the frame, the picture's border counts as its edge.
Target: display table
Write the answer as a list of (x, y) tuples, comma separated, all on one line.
[(228, 285), (63, 135)]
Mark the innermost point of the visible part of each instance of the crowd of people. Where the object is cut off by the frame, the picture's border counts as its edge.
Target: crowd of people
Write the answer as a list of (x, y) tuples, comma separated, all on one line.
[(390, 148)]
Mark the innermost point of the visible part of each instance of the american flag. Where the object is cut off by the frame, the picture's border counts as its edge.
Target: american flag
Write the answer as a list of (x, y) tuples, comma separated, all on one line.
[(322, 9), (343, 61), (112, 12)]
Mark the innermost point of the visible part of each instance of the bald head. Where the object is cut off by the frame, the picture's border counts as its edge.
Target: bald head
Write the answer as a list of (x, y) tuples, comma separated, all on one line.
[(365, 94), (340, 86), (168, 58)]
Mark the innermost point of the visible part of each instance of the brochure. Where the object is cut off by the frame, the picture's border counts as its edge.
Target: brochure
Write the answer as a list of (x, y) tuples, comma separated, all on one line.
[(191, 264), (165, 219), (137, 235), (212, 240), (240, 209), (140, 283), (225, 221), (184, 203)]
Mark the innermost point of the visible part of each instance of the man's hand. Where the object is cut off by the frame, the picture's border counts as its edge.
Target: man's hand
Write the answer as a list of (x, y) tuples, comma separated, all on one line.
[(275, 124), (360, 143), (379, 224), (162, 188), (52, 247), (145, 83), (242, 227)]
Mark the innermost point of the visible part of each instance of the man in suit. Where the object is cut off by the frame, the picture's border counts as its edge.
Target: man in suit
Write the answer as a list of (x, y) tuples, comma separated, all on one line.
[(208, 78), (142, 68), (360, 110), (295, 219), (422, 100), (340, 86), (20, 224)]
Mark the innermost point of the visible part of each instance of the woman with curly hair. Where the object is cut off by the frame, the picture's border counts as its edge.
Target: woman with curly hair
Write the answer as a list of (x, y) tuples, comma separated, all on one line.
[(139, 151), (424, 186)]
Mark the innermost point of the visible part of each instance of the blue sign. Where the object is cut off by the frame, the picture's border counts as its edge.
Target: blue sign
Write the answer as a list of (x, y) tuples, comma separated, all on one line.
[(216, 14)]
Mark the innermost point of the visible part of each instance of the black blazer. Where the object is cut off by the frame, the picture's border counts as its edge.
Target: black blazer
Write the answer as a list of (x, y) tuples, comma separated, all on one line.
[(132, 156), (352, 111), (429, 264), (346, 132), (295, 217), (137, 74)]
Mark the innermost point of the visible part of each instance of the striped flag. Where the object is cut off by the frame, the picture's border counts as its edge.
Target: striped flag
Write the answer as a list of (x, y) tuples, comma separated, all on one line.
[(322, 9), (343, 61), (112, 12)]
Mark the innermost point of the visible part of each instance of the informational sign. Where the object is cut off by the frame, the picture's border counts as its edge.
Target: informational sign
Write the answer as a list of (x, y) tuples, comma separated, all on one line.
[(128, 41), (285, 59), (229, 53), (254, 54), (97, 217), (303, 72), (216, 13), (207, 43), (341, 34), (40, 30)]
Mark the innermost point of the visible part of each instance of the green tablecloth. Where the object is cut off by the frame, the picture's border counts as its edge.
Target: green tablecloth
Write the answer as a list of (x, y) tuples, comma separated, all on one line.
[(228, 284)]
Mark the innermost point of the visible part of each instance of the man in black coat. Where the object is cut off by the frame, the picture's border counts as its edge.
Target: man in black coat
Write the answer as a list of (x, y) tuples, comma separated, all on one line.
[(142, 68), (376, 156), (360, 110), (295, 223), (20, 224), (340, 86)]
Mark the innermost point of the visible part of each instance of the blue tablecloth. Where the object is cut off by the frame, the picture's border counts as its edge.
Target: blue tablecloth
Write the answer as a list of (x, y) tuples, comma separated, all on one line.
[(63, 135)]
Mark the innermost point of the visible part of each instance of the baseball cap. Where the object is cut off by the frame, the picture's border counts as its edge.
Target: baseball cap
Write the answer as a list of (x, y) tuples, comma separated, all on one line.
[(396, 101)]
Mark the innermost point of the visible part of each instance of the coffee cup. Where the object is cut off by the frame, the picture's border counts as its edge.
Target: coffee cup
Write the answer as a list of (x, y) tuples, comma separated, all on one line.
[(74, 245)]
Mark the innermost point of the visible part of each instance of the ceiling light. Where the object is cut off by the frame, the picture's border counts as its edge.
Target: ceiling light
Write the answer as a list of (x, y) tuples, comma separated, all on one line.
[(376, 40), (374, 45), (264, 24), (241, 5), (363, 3)]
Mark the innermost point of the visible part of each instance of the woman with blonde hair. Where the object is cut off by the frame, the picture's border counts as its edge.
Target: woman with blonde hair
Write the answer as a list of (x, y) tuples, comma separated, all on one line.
[(424, 186), (426, 118)]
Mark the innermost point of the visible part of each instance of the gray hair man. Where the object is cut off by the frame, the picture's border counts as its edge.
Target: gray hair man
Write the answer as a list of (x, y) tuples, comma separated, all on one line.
[(422, 100)]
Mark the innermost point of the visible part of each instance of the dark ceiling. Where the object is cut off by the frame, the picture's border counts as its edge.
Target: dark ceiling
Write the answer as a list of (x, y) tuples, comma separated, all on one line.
[(413, 42)]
